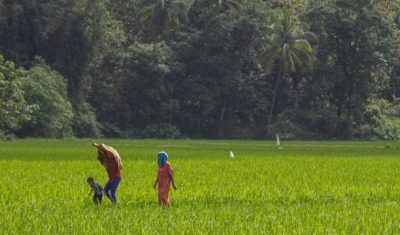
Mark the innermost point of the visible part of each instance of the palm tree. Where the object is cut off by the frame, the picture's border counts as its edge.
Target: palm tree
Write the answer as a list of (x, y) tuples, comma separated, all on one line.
[(165, 15), (221, 5), (285, 46)]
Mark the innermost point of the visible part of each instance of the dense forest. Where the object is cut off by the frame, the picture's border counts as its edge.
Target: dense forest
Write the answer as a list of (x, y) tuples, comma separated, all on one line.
[(306, 69)]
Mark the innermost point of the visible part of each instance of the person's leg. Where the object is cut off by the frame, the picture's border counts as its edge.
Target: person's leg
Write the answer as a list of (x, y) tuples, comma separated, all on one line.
[(100, 197), (163, 195), (159, 196), (114, 185), (107, 189), (95, 199)]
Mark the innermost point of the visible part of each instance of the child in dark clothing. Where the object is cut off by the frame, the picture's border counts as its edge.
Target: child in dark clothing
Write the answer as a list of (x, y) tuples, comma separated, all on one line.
[(97, 189)]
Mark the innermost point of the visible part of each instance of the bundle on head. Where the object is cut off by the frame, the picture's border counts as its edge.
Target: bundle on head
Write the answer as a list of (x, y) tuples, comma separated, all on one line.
[(116, 157), (102, 156)]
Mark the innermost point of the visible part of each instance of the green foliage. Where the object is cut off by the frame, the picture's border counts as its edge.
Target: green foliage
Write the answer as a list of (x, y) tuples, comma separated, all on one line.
[(147, 87), (352, 54), (287, 43), (75, 32), (296, 7), (299, 124), (14, 109), (141, 95), (164, 16), (218, 76), (85, 122), (19, 27), (113, 130), (137, 63), (221, 5), (284, 46), (380, 121), (47, 90), (161, 131)]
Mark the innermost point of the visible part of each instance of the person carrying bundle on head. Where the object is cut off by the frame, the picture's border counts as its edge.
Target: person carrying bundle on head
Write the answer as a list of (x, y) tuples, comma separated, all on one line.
[(111, 160)]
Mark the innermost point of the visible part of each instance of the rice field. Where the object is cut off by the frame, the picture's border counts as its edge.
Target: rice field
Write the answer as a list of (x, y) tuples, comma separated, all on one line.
[(304, 188)]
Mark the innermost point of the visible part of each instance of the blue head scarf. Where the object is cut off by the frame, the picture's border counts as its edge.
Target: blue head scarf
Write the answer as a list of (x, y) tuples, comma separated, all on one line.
[(162, 158)]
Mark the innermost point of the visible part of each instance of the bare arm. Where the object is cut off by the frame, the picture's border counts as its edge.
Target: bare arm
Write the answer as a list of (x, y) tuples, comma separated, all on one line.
[(173, 182), (95, 144), (170, 173), (90, 192), (155, 184), (102, 148)]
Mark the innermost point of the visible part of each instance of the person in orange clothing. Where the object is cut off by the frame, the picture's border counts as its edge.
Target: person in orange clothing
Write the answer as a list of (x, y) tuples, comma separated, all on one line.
[(165, 177)]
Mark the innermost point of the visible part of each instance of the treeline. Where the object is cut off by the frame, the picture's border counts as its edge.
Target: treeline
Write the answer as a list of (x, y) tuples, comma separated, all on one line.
[(315, 69)]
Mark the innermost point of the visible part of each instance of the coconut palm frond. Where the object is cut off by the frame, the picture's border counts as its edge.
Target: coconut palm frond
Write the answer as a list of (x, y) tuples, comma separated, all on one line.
[(221, 5), (268, 56), (146, 14), (165, 15), (260, 43)]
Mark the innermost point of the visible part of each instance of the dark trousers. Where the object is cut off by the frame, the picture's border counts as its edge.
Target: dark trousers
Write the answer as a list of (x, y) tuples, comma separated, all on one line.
[(112, 187), (97, 199)]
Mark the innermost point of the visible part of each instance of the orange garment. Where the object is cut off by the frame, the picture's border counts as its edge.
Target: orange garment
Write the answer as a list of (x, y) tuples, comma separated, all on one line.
[(164, 179)]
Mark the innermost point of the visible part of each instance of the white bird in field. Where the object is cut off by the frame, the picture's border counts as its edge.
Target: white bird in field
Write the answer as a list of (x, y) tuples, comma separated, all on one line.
[(278, 143), (231, 154)]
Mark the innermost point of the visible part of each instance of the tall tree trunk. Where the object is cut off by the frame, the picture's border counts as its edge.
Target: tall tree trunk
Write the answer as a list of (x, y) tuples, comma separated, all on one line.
[(350, 104), (339, 109), (198, 127), (135, 111), (221, 119), (274, 98)]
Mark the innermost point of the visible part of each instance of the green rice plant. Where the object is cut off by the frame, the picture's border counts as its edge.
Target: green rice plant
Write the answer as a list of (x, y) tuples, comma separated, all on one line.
[(304, 188)]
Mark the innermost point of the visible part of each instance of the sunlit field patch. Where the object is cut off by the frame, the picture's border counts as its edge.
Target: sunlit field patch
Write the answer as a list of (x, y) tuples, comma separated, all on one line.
[(304, 188)]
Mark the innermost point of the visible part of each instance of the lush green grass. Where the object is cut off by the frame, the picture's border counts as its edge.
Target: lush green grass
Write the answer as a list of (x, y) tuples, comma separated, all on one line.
[(304, 188)]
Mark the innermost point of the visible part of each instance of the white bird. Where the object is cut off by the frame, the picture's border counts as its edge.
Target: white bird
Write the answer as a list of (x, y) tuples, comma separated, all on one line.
[(231, 154), (278, 143)]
